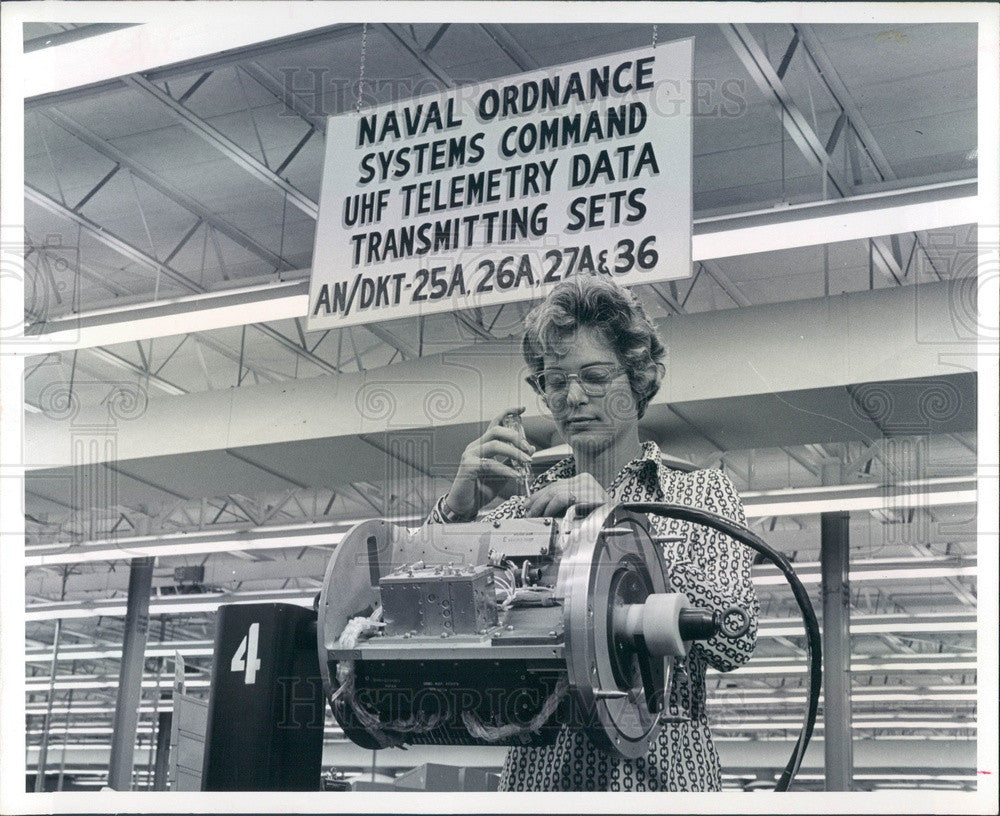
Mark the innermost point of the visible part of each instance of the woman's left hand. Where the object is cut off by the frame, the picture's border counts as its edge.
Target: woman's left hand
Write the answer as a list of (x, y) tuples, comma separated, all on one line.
[(556, 498)]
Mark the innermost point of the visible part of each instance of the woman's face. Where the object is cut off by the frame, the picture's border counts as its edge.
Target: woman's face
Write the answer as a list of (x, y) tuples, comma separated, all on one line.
[(591, 423)]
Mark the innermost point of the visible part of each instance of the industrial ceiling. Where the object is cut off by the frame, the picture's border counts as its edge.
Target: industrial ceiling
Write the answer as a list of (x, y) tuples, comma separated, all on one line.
[(186, 197)]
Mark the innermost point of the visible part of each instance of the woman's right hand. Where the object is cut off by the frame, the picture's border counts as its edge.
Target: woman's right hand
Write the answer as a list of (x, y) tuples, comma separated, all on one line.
[(484, 472)]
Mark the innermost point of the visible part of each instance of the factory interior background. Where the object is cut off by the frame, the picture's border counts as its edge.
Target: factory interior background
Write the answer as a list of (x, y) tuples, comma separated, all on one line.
[(177, 409)]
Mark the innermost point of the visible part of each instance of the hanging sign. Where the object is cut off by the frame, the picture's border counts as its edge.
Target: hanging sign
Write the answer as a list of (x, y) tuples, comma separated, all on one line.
[(495, 192)]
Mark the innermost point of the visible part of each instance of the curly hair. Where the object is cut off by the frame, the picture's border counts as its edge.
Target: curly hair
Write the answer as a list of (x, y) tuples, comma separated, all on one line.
[(586, 301)]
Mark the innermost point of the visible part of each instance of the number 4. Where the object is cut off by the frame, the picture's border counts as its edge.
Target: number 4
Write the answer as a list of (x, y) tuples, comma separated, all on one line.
[(246, 659)]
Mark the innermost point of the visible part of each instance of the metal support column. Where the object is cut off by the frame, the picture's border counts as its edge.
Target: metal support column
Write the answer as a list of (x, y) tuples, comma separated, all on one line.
[(62, 759), (43, 749), (162, 766), (140, 582), (834, 565)]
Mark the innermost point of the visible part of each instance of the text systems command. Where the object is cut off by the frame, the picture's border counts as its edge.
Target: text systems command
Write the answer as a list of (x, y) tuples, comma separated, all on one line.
[(465, 244)]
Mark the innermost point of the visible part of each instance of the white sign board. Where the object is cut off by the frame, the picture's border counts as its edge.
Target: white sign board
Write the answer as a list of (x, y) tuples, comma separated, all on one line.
[(494, 193)]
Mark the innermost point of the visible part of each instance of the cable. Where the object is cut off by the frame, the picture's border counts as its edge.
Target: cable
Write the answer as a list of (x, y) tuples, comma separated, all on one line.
[(814, 648)]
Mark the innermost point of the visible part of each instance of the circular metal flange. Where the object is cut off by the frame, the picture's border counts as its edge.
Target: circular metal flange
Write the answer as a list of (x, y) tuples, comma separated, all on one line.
[(609, 561), (350, 589)]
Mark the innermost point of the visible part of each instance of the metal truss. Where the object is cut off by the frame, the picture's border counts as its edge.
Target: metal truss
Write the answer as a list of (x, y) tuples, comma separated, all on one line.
[(884, 253), (110, 240), (509, 45), (769, 81), (202, 213), (137, 255), (226, 147), (302, 517), (421, 54), (211, 62), (123, 160), (245, 517)]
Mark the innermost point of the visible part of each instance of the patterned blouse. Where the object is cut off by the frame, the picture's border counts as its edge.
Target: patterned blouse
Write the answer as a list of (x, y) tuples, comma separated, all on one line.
[(713, 570)]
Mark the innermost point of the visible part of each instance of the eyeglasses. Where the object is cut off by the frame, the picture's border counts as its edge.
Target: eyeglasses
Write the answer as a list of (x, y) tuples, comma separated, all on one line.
[(594, 379)]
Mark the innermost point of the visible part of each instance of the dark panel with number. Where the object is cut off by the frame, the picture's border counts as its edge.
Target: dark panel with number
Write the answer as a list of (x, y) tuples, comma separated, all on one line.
[(266, 712)]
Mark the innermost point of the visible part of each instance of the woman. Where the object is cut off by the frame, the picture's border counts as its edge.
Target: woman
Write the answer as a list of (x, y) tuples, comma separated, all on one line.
[(596, 359)]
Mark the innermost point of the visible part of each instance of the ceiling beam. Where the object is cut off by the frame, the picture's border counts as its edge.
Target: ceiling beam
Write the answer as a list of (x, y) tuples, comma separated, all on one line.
[(727, 236), (716, 273), (285, 94), (893, 664), (402, 39), (146, 376), (200, 313), (804, 461), (107, 238), (751, 353), (852, 498), (185, 201), (764, 75), (386, 336), (838, 90), (165, 605), (298, 349), (832, 221), (756, 504), (42, 257), (188, 40), (88, 651), (81, 32), (225, 146), (883, 258), (220, 571), (250, 539), (509, 45), (136, 254), (206, 340), (206, 214)]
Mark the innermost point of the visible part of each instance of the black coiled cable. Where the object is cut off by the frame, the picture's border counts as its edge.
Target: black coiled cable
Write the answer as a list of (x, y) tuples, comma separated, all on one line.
[(814, 648)]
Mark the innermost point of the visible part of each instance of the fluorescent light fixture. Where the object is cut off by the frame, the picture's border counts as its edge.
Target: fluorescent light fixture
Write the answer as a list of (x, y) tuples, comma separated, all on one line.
[(181, 544), (914, 697), (812, 224), (761, 668), (902, 501), (185, 34), (862, 574), (178, 605), (899, 725), (84, 746), (904, 774), (877, 628), (83, 710), (200, 648), (93, 730), (103, 684)]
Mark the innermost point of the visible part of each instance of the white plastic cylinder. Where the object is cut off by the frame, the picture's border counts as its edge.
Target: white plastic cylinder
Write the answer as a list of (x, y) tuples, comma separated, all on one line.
[(658, 621)]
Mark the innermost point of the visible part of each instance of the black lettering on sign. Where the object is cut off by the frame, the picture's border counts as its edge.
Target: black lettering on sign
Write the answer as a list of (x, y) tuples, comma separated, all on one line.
[(322, 300), (610, 166), (417, 121), (606, 209)]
